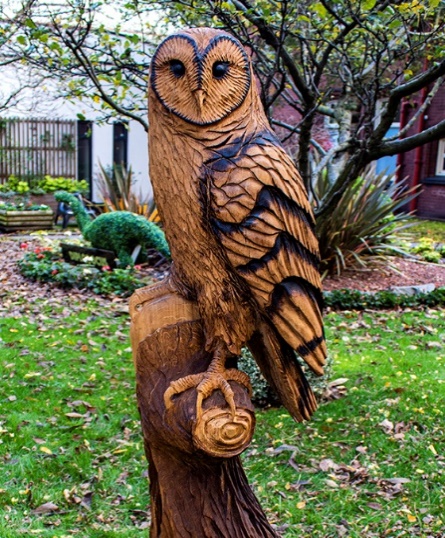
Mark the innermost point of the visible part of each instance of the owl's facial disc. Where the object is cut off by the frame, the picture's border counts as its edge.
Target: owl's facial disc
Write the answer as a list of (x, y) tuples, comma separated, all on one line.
[(200, 84)]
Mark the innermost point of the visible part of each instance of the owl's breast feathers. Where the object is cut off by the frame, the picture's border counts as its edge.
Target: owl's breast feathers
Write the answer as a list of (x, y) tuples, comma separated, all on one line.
[(260, 213)]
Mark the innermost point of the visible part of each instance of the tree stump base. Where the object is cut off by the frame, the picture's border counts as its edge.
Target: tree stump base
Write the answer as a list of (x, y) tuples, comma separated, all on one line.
[(197, 485)]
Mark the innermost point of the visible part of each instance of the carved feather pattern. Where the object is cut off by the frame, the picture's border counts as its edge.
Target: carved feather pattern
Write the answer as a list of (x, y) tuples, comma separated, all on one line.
[(264, 222), (235, 212)]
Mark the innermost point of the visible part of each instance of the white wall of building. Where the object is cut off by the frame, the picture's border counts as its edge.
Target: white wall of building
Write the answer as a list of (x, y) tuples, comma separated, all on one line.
[(137, 147), (102, 154), (42, 102), (138, 158)]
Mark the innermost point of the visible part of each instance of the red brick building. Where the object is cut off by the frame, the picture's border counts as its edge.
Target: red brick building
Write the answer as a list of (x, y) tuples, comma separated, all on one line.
[(425, 165)]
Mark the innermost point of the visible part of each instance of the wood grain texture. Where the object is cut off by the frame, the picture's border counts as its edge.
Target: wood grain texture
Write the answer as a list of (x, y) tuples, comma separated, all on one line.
[(236, 214), (193, 493)]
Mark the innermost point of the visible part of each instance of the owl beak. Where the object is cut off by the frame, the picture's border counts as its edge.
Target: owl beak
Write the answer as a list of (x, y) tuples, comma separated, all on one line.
[(200, 97)]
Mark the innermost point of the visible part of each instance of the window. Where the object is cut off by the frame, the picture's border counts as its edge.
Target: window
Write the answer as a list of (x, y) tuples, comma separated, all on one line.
[(120, 144), (440, 166), (84, 151)]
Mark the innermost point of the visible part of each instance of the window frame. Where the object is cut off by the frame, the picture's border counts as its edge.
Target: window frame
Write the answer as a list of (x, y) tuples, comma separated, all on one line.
[(440, 159)]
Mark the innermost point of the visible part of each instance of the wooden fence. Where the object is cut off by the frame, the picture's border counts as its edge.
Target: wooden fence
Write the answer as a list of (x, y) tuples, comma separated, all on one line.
[(33, 148)]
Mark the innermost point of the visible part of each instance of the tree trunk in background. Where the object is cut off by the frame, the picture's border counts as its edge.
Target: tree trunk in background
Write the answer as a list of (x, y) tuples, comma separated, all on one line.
[(198, 488)]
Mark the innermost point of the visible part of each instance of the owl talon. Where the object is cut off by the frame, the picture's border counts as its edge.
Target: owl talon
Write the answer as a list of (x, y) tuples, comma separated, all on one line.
[(216, 377)]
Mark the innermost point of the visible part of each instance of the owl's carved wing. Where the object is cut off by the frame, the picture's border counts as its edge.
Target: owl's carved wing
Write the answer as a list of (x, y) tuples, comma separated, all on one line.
[(264, 221)]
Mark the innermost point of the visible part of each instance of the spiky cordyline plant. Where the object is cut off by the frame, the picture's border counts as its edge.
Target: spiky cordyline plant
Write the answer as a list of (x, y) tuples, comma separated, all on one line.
[(361, 228), (117, 191)]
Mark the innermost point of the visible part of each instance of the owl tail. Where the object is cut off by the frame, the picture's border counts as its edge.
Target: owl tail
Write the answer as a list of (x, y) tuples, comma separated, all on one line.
[(278, 364)]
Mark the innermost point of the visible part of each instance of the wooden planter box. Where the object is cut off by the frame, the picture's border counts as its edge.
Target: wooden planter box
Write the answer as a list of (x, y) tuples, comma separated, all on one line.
[(45, 199), (12, 221)]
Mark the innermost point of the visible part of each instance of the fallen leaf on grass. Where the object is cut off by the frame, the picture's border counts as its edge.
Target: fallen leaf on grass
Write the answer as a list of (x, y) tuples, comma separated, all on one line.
[(387, 426), (327, 464), (46, 508), (284, 448), (86, 500)]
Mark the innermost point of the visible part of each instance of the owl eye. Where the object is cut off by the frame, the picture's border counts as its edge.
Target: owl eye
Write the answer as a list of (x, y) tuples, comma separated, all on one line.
[(220, 69), (177, 68)]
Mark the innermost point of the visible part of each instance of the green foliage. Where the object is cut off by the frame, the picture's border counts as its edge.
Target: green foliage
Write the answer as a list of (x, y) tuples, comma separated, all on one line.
[(45, 264), (14, 184), (22, 206), (48, 184), (363, 225), (429, 250), (358, 300), (426, 244), (361, 49), (264, 396), (432, 257), (120, 231), (434, 230), (82, 217), (117, 190), (53, 184)]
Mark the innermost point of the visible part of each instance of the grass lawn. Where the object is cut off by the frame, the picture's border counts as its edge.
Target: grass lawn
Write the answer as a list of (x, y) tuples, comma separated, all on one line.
[(434, 230), (71, 455)]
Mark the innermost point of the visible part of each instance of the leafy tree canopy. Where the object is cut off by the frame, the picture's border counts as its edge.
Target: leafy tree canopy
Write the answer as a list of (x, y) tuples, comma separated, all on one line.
[(350, 61)]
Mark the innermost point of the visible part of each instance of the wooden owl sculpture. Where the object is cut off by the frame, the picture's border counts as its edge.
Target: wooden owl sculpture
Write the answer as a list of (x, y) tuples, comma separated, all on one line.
[(236, 216)]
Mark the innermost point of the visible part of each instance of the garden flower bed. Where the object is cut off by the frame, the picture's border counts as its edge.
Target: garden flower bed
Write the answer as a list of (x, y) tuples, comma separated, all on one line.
[(45, 263)]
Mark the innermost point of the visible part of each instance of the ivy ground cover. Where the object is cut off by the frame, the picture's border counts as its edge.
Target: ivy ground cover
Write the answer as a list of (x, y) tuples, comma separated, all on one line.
[(369, 464)]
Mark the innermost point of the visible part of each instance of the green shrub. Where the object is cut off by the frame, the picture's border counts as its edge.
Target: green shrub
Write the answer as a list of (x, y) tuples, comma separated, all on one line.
[(14, 184), (426, 244), (120, 231), (429, 250), (48, 184), (362, 227), (358, 300), (22, 206), (263, 395), (45, 264), (53, 184), (432, 256)]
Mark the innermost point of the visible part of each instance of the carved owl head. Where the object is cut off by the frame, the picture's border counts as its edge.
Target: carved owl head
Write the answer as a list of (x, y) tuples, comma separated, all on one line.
[(201, 75)]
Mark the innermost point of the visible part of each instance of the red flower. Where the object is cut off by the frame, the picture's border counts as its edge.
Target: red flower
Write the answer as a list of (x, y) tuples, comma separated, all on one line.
[(40, 256), (24, 245), (37, 250), (106, 268), (54, 272), (138, 267)]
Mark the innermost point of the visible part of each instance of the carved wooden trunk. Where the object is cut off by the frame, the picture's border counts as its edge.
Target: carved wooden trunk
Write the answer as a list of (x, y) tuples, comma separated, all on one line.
[(197, 484), (12, 221)]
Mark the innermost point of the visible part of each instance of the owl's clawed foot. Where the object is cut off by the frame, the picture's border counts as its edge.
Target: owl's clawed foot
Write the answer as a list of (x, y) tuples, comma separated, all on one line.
[(216, 377)]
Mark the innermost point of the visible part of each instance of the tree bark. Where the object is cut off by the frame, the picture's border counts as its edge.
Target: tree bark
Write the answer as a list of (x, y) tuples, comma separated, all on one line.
[(198, 488)]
